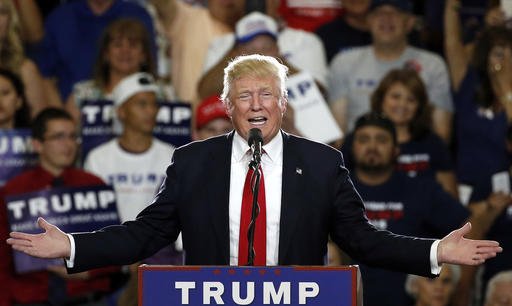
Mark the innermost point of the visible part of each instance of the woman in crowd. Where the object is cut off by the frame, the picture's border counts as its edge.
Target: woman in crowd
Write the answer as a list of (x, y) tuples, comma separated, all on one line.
[(401, 96), (123, 50), (39, 93), (14, 111), (482, 85)]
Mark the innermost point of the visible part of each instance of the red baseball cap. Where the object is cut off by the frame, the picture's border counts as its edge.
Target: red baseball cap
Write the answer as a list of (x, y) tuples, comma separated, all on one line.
[(209, 109)]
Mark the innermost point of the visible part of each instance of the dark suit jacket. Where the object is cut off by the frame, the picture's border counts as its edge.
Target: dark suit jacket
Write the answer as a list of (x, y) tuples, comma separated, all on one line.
[(318, 200)]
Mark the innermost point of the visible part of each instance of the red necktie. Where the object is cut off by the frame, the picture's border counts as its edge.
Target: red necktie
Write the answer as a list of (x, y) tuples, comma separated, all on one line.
[(260, 234)]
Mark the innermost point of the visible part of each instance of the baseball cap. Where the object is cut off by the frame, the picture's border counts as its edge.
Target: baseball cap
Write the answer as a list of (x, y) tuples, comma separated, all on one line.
[(131, 85), (375, 119), (254, 24), (404, 5), (209, 109)]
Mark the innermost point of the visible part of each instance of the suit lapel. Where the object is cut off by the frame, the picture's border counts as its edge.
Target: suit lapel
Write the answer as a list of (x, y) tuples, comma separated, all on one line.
[(291, 203), (218, 191)]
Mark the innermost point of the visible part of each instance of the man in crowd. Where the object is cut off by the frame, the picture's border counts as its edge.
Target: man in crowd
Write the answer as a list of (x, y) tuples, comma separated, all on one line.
[(134, 162), (211, 119), (55, 140), (404, 205), (258, 33), (355, 74)]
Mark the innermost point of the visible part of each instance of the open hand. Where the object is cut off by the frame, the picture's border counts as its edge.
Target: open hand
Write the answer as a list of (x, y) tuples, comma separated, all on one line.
[(455, 249), (53, 243)]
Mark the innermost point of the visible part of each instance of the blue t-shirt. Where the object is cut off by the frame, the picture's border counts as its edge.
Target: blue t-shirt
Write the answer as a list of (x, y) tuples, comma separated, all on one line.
[(72, 33), (481, 140), (405, 206), (426, 155), (419, 157)]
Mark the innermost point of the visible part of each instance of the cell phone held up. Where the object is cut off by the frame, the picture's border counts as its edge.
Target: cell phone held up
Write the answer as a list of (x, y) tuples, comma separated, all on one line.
[(506, 7)]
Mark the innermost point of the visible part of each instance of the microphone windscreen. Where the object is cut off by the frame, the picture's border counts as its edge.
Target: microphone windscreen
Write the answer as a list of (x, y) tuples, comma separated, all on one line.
[(255, 136)]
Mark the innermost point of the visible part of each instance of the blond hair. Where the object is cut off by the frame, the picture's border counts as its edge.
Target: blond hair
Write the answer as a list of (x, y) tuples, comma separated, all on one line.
[(11, 52), (412, 278), (501, 277), (257, 66)]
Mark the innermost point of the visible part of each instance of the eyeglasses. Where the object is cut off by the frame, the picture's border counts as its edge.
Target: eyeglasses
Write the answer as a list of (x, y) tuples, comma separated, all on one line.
[(63, 136)]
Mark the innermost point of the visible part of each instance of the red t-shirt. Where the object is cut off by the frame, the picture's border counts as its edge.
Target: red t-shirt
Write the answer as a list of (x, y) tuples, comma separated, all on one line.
[(33, 287)]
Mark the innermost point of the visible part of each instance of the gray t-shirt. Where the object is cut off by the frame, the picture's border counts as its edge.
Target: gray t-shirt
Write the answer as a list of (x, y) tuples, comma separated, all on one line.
[(356, 73)]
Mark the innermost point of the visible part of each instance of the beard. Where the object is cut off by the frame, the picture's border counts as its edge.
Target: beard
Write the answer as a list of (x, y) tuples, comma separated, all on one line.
[(374, 168)]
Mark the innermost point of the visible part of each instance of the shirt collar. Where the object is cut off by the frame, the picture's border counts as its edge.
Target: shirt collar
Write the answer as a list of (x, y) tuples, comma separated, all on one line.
[(44, 174), (272, 149)]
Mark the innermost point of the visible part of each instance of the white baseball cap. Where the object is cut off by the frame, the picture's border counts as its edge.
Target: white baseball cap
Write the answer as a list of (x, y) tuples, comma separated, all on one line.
[(131, 85), (254, 24)]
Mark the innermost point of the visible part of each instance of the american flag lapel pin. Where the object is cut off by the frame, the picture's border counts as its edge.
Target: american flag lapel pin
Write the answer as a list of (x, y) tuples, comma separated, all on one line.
[(298, 171)]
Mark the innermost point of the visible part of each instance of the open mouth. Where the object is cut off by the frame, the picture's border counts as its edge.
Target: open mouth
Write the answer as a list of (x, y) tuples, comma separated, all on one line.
[(257, 120)]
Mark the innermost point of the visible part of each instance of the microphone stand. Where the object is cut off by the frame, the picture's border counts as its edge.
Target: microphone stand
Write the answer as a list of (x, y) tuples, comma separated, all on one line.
[(255, 186)]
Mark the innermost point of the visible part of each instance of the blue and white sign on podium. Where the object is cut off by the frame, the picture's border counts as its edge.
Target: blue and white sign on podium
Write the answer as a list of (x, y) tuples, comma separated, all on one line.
[(211, 285)]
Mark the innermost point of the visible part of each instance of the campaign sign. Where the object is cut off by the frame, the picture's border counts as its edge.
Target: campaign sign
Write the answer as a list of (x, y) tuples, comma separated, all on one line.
[(313, 118), (97, 126), (71, 209), (172, 123), (173, 285), (16, 153)]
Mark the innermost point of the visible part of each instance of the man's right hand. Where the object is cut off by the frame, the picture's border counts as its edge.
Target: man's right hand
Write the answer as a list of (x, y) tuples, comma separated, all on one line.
[(53, 243)]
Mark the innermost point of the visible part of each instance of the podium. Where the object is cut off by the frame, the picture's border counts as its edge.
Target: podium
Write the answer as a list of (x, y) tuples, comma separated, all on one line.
[(232, 285)]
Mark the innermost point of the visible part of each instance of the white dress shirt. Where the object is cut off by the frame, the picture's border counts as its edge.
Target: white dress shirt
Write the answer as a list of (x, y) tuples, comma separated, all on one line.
[(272, 166)]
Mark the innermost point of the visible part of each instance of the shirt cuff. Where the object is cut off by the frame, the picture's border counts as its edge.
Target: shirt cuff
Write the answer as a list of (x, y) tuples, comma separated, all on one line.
[(435, 268), (70, 263)]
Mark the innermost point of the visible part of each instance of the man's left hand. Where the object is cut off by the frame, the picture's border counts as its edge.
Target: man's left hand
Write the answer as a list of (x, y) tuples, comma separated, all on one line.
[(455, 249)]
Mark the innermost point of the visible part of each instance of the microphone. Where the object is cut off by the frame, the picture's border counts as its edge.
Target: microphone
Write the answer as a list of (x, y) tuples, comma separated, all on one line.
[(255, 142)]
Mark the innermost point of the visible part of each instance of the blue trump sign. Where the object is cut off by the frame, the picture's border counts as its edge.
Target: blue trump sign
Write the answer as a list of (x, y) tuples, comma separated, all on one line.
[(172, 123), (71, 209), (167, 285), (16, 153)]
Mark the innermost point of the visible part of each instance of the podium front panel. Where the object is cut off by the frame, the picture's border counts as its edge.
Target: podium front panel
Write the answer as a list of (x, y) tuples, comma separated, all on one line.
[(212, 285)]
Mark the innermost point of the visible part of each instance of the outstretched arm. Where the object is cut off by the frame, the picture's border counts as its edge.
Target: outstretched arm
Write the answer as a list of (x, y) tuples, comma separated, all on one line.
[(53, 243), (455, 249)]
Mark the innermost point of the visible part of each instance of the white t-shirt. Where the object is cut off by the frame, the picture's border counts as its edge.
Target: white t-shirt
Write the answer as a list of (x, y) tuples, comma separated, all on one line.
[(302, 49), (356, 73), (134, 177)]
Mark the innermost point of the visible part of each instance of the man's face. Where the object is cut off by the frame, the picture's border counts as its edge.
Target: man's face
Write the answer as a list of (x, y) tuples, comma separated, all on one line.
[(215, 127), (58, 148), (389, 25), (374, 149), (138, 113), (256, 103)]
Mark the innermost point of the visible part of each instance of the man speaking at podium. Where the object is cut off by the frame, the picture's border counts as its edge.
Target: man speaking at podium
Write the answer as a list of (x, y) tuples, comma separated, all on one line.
[(305, 195)]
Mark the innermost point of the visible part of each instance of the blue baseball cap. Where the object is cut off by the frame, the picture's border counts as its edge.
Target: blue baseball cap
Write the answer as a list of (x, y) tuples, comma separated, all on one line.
[(404, 5), (255, 24)]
